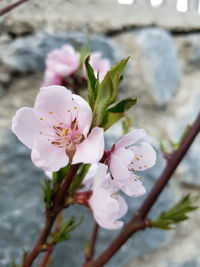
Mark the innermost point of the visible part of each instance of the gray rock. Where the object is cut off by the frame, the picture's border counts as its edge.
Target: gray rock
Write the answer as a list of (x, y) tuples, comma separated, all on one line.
[(190, 263), (189, 49), (160, 61), (21, 211), (29, 53)]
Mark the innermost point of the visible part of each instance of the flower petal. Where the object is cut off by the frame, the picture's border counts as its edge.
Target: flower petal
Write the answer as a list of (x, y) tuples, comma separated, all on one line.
[(89, 178), (107, 209), (47, 156), (145, 157), (51, 78), (119, 161), (25, 125), (132, 186), (92, 148), (84, 114), (54, 105), (130, 138), (63, 61)]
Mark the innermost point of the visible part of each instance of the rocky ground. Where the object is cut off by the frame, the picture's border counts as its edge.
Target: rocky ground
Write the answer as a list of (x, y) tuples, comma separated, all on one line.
[(163, 73)]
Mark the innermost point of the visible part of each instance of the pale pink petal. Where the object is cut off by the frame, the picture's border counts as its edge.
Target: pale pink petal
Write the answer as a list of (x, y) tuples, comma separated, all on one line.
[(107, 209), (49, 174), (89, 178), (144, 158), (84, 114), (63, 61), (92, 148), (47, 156), (130, 138), (51, 78), (25, 126), (54, 105), (119, 161), (100, 176), (132, 186)]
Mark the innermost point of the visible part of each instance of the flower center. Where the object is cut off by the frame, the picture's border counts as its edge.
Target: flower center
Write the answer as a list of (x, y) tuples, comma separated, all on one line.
[(67, 136)]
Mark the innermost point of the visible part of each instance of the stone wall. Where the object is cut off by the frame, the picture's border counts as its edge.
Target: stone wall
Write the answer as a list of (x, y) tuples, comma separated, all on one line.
[(163, 73)]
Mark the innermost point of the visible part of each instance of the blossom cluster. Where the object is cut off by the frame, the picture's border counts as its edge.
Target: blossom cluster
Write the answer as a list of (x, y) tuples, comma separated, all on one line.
[(58, 130), (65, 62)]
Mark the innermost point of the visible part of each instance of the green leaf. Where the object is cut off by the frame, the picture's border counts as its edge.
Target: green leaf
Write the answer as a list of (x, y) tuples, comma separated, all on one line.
[(85, 51), (106, 93), (110, 119), (47, 192), (122, 106), (93, 83), (163, 148), (176, 214), (12, 262), (126, 124), (79, 178), (60, 175), (65, 228)]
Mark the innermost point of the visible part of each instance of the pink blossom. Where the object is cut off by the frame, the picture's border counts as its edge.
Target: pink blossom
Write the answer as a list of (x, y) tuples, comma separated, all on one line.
[(99, 64), (106, 204), (60, 63), (57, 129), (127, 158)]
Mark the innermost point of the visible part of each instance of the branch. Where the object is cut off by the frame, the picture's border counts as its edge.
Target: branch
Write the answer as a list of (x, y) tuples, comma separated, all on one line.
[(47, 257), (91, 247), (8, 8), (138, 221), (51, 215)]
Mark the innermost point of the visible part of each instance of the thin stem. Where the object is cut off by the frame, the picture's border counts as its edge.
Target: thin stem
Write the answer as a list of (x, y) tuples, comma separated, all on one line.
[(51, 215), (138, 221), (91, 248), (47, 257), (8, 8)]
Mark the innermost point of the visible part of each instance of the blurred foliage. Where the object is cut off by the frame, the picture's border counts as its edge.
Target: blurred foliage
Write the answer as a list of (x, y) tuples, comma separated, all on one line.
[(176, 214)]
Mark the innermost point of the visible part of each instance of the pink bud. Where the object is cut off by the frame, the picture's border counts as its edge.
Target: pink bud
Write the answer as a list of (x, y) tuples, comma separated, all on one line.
[(60, 63)]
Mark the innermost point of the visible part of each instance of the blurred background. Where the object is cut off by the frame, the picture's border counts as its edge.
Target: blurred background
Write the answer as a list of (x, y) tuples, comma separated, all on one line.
[(163, 39)]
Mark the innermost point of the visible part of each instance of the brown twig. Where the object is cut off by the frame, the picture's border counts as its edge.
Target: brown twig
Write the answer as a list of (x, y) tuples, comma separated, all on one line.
[(8, 8), (47, 257), (45, 261), (51, 215), (138, 221), (91, 246)]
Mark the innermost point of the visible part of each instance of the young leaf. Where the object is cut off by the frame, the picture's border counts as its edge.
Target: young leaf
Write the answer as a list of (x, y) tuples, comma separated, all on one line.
[(60, 175), (79, 178), (106, 93), (93, 83), (12, 262), (176, 214), (63, 232), (110, 119), (122, 106), (126, 124), (47, 192)]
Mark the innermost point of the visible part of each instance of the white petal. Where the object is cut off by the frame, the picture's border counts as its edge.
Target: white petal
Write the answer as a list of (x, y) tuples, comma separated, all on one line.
[(47, 156), (25, 126), (92, 148), (145, 157), (84, 114), (119, 161), (132, 187), (130, 138), (54, 105)]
